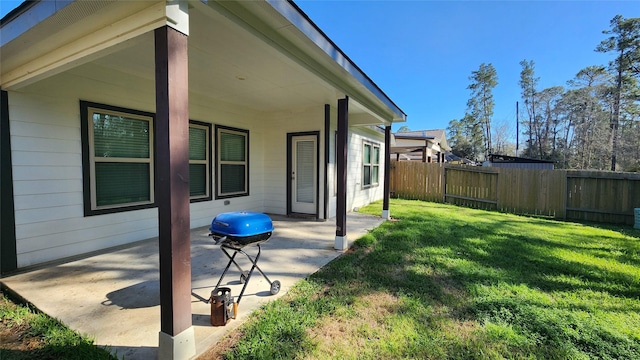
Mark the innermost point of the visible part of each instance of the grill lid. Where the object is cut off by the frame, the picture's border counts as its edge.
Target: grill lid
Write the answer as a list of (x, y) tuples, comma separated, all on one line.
[(241, 224)]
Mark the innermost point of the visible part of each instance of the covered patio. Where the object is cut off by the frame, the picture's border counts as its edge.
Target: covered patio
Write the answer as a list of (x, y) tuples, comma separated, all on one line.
[(126, 120), (115, 296)]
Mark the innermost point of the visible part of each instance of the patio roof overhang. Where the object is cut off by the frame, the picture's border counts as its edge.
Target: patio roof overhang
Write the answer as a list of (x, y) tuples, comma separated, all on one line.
[(247, 56), (262, 56)]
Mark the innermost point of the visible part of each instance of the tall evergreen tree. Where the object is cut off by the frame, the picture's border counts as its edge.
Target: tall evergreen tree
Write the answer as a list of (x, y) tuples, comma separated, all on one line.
[(585, 109), (457, 137), (528, 83), (480, 105), (625, 43)]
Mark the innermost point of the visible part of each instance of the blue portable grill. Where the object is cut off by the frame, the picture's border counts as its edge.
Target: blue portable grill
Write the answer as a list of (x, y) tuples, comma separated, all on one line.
[(235, 230)]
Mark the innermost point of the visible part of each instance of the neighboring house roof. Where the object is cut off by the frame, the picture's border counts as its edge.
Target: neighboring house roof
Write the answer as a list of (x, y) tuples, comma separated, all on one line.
[(289, 61), (505, 161), (410, 141), (494, 158)]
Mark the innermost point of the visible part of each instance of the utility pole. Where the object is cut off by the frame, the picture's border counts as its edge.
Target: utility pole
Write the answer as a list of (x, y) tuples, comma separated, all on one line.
[(517, 128)]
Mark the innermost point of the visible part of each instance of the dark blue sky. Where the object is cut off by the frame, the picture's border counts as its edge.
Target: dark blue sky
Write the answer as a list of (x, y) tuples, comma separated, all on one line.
[(421, 53)]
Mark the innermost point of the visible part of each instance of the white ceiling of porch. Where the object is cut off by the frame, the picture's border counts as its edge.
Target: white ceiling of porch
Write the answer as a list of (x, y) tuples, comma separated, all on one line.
[(251, 55), (231, 65)]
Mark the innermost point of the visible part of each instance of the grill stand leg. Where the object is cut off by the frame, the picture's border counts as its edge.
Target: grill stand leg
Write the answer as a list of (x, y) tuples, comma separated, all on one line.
[(231, 260), (255, 265), (275, 285)]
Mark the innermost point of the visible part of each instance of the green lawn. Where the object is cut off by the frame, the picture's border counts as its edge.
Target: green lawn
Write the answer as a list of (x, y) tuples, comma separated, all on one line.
[(26, 333), (445, 282)]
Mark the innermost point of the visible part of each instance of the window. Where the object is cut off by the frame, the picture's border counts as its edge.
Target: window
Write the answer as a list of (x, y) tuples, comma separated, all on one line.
[(232, 162), (117, 158), (370, 164), (199, 161)]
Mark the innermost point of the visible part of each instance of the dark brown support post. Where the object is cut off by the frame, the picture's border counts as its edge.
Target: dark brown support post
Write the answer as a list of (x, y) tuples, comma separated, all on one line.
[(387, 170), (172, 185), (8, 256), (424, 154), (327, 141), (341, 242)]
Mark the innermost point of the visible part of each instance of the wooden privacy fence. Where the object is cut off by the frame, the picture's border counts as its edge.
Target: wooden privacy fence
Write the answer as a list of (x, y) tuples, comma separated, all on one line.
[(600, 196)]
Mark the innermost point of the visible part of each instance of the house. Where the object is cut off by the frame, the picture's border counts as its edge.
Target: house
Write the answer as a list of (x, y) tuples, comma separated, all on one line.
[(505, 161), (126, 120), (423, 145)]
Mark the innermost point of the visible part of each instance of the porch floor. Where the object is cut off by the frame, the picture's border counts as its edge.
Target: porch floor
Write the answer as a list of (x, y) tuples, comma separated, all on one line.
[(114, 296)]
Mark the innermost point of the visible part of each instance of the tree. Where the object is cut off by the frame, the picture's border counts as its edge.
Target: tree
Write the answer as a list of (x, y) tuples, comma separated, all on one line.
[(625, 43), (480, 105), (457, 136), (548, 123), (404, 128), (502, 132), (585, 109), (528, 83)]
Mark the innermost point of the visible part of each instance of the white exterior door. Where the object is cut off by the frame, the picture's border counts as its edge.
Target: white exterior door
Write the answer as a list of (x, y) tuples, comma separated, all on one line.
[(304, 179)]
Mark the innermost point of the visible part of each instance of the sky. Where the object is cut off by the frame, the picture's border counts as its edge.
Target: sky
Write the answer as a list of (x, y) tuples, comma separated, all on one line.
[(421, 53)]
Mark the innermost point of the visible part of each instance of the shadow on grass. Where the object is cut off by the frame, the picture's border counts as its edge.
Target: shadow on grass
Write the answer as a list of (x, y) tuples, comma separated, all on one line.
[(55, 352), (444, 249), (560, 290)]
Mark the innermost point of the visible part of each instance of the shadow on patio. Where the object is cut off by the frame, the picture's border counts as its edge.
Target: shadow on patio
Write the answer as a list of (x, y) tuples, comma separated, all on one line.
[(114, 296)]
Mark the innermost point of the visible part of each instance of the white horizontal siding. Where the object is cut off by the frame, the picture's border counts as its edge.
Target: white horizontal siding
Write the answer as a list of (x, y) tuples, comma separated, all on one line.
[(47, 213), (275, 154), (36, 186), (19, 143), (47, 164), (27, 158), (60, 252), (39, 201), (105, 233), (363, 196), (46, 172), (44, 130), (97, 224)]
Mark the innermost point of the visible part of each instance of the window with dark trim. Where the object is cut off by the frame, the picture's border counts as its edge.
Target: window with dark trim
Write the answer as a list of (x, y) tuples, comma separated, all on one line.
[(232, 162), (118, 158), (199, 161), (370, 164)]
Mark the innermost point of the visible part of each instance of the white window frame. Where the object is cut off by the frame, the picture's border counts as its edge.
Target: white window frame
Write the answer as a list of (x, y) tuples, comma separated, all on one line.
[(371, 164), (219, 129), (206, 161), (90, 109)]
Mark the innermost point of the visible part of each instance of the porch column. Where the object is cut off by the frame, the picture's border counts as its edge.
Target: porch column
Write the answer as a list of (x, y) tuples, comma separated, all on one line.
[(8, 255), (327, 148), (176, 338), (341, 242), (387, 170)]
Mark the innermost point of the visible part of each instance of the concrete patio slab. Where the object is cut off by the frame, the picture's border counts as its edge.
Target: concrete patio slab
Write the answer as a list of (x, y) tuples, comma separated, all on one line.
[(114, 296)]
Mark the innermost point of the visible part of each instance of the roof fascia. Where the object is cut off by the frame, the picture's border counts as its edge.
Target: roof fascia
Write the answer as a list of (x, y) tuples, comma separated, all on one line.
[(27, 15), (303, 23), (87, 47), (318, 55)]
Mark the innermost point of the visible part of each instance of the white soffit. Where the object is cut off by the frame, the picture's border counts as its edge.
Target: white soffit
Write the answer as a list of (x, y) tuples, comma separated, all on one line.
[(282, 25), (78, 33)]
